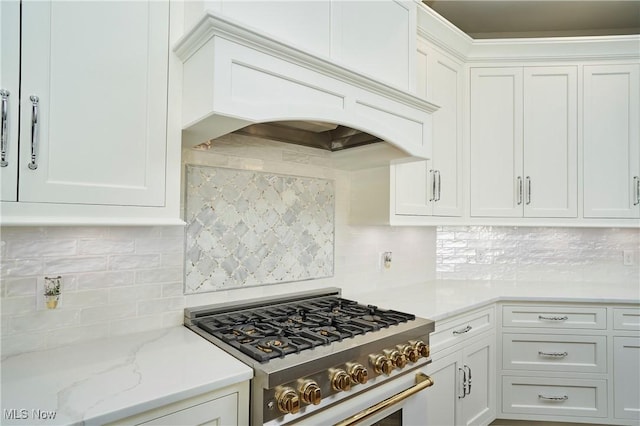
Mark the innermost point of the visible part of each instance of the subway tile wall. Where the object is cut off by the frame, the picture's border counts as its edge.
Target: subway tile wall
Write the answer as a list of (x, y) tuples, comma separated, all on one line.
[(536, 253), (115, 280), (119, 280)]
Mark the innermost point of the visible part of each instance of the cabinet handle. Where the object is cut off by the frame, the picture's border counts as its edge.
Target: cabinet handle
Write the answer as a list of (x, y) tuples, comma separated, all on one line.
[(543, 318), (528, 179), (34, 131), (462, 331), (553, 398), (432, 174), (464, 383), (519, 183), (553, 354), (467, 390), (4, 98), (439, 184), (636, 181)]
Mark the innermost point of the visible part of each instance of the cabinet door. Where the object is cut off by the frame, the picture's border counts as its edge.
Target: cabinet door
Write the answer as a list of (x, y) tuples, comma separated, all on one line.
[(221, 411), (478, 406), (496, 142), (446, 88), (9, 84), (413, 188), (626, 380), (550, 142), (611, 141), (442, 402), (99, 70)]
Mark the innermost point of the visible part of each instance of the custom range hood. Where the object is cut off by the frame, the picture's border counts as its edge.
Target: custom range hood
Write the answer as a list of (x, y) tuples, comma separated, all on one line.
[(238, 80)]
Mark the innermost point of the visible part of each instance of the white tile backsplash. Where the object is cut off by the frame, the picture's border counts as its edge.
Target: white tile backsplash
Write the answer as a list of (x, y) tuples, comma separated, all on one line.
[(536, 253), (120, 280), (113, 281)]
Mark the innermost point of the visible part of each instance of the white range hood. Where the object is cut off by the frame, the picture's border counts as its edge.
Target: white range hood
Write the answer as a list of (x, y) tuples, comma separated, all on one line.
[(234, 77)]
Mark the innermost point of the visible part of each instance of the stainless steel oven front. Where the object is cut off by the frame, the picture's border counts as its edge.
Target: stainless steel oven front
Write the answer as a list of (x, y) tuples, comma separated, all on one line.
[(399, 402)]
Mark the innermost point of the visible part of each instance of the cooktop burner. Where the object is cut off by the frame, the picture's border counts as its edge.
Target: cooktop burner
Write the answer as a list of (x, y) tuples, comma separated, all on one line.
[(270, 332)]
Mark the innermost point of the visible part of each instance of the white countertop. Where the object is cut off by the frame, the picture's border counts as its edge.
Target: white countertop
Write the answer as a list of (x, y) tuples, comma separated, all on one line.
[(437, 300), (106, 380)]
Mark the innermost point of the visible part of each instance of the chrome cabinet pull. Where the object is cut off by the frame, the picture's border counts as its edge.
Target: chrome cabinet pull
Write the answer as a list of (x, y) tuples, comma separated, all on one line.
[(528, 179), (544, 318), (553, 398), (4, 110), (519, 182), (636, 181), (553, 354), (432, 175), (439, 185), (462, 331), (464, 382), (468, 388), (34, 131)]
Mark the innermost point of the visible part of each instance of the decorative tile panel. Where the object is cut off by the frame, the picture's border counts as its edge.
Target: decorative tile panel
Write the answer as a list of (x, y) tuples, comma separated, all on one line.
[(247, 228)]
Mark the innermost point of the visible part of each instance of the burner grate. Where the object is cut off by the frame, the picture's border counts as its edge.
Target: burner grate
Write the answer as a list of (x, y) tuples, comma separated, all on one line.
[(271, 332)]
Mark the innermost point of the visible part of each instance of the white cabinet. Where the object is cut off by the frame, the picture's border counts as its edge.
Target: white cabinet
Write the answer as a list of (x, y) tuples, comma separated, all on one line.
[(626, 377), (379, 43), (611, 141), (440, 79), (523, 147), (463, 370), (93, 88), (228, 406)]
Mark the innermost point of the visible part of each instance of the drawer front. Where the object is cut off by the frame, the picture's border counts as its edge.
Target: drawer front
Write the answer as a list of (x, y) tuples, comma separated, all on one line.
[(626, 319), (554, 396), (554, 317), (449, 332), (584, 354)]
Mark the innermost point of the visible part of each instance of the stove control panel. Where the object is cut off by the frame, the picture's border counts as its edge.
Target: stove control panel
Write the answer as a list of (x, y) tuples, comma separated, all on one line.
[(292, 397)]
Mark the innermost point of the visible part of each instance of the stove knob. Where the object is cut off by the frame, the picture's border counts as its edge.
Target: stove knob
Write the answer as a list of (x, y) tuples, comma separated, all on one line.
[(288, 401), (358, 373), (410, 352), (397, 359), (422, 348), (310, 392), (341, 381), (381, 364)]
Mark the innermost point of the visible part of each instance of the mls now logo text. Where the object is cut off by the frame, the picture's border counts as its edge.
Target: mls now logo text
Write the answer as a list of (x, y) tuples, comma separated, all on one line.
[(24, 414)]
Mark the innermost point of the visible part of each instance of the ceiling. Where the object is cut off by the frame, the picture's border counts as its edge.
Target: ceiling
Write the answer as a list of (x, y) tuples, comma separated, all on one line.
[(548, 18)]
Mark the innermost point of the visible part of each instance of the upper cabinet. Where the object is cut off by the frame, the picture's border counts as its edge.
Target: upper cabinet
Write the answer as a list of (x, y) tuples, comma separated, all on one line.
[(376, 38), (611, 141), (91, 96), (523, 142), (440, 78)]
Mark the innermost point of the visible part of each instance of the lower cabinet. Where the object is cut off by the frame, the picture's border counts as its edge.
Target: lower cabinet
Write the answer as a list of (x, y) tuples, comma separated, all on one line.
[(626, 377), (228, 407), (569, 363), (464, 390)]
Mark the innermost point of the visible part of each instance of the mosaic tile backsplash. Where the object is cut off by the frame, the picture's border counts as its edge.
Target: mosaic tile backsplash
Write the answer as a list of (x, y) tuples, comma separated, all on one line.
[(247, 228)]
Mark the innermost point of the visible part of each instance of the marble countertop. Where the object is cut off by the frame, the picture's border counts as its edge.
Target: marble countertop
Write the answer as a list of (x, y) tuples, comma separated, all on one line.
[(110, 379), (438, 300)]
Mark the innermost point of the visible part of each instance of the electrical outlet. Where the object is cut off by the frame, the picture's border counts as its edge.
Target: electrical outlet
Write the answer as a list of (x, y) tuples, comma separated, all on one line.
[(627, 257), (385, 260)]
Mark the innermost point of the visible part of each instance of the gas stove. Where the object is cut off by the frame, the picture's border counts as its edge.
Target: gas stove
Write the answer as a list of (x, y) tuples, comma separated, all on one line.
[(309, 351)]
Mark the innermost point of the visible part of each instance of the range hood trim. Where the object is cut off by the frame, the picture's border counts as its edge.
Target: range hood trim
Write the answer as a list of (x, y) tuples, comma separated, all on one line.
[(211, 25), (230, 73)]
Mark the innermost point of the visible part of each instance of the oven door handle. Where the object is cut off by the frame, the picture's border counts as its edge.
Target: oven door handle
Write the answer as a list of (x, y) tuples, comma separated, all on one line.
[(422, 382)]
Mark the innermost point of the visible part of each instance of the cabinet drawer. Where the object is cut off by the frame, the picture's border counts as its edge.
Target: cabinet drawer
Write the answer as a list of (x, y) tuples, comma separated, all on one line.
[(554, 396), (450, 332), (584, 354), (626, 319), (554, 317)]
